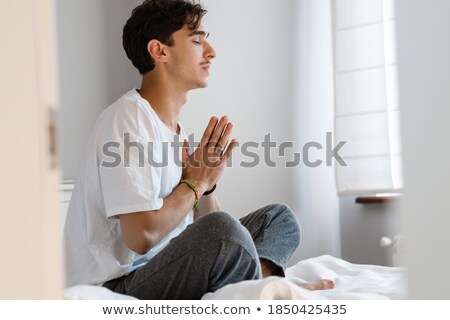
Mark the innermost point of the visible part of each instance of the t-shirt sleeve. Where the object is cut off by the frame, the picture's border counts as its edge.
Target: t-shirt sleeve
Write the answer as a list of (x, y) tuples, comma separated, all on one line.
[(129, 181)]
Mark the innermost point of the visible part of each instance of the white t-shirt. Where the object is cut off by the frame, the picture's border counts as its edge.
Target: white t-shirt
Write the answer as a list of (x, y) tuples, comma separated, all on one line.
[(105, 188)]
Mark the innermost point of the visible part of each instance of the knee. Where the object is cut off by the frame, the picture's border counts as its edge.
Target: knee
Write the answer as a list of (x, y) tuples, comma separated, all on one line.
[(290, 222), (232, 248), (222, 226)]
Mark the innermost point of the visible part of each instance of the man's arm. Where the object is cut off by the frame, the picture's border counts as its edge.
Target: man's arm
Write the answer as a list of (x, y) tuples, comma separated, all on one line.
[(143, 230), (207, 204)]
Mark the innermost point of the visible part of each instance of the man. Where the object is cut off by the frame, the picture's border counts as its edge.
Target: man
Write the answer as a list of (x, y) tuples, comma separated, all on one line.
[(143, 224)]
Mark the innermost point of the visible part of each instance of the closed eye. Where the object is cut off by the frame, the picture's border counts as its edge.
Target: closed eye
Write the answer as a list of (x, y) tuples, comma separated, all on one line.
[(198, 34)]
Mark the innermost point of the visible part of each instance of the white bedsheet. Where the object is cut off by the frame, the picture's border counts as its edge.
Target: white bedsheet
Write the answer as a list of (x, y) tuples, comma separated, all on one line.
[(353, 281)]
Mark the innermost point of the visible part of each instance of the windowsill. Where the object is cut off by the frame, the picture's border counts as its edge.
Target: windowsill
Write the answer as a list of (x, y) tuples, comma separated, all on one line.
[(378, 198)]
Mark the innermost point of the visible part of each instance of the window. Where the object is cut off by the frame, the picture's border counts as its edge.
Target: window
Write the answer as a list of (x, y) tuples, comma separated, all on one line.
[(366, 97)]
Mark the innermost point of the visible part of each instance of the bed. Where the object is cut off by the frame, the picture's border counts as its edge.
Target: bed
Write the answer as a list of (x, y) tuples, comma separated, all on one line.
[(352, 281)]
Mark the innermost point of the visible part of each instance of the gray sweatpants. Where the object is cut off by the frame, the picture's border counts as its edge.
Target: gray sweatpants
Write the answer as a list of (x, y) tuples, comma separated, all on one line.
[(215, 251)]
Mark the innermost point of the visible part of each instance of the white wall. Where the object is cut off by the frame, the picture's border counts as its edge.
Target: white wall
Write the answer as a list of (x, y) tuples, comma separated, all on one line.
[(424, 77), (313, 116), (93, 69)]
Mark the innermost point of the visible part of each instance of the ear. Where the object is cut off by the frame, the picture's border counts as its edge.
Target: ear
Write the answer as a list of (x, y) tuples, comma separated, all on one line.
[(156, 50)]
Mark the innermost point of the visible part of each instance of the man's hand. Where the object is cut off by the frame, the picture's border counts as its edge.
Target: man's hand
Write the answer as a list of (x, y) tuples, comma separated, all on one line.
[(206, 164), (143, 230)]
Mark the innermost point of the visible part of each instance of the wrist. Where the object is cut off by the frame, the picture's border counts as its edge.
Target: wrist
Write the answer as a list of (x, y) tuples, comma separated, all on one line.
[(211, 190), (201, 189), (193, 187), (199, 186)]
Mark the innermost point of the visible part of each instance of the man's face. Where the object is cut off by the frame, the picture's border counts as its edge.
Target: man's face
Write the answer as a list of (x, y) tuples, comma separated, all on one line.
[(190, 57)]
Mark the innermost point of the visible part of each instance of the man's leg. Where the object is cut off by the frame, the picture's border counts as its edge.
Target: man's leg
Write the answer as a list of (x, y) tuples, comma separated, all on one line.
[(277, 234), (212, 252)]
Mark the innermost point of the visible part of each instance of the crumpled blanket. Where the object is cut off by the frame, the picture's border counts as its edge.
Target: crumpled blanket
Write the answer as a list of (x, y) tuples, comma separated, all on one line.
[(352, 281)]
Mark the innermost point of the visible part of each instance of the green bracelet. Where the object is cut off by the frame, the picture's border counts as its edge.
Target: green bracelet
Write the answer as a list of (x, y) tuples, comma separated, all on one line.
[(192, 186)]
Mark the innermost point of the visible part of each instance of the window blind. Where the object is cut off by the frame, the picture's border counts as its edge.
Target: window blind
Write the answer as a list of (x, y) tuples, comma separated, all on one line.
[(366, 97)]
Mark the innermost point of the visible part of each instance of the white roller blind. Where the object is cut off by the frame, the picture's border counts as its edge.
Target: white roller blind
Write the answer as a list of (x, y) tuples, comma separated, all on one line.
[(366, 97)]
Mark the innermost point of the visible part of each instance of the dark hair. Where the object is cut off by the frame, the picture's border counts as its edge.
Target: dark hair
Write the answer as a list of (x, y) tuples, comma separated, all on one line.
[(157, 19)]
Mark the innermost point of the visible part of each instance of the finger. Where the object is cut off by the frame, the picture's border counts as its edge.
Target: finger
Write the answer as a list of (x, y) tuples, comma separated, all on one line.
[(229, 150), (208, 131), (225, 137), (218, 131)]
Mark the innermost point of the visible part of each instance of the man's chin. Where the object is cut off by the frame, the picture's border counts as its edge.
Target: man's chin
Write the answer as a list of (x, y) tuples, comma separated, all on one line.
[(201, 85)]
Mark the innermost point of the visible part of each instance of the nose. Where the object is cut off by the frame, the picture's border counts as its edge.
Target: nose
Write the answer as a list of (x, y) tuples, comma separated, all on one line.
[(210, 53)]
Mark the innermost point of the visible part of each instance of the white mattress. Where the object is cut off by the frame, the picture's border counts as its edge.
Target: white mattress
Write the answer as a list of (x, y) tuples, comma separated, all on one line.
[(352, 281)]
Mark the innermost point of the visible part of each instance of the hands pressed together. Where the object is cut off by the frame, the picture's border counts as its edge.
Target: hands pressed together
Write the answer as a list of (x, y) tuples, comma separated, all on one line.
[(206, 164)]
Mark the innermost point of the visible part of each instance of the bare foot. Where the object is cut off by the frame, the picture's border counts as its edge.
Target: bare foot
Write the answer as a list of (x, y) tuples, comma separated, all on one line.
[(323, 284), (268, 268)]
